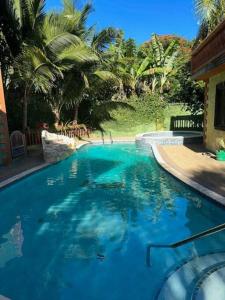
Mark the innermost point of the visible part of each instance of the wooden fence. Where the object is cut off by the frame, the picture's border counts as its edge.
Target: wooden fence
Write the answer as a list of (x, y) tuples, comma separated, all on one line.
[(33, 137), (193, 122), (76, 132)]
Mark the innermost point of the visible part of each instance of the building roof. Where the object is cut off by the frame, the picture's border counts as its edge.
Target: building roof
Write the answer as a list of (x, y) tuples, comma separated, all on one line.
[(208, 58)]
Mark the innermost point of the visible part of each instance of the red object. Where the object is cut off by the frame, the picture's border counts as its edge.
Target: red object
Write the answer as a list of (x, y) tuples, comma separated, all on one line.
[(42, 125), (4, 132)]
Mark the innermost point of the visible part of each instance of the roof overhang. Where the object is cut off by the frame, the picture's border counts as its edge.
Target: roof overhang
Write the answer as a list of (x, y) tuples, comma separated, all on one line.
[(208, 59)]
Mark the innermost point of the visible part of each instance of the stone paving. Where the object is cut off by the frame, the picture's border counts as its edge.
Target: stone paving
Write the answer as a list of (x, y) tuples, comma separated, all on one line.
[(21, 164), (197, 164)]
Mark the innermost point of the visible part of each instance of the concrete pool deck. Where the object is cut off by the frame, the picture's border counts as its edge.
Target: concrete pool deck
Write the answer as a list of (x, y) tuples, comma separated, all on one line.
[(196, 167)]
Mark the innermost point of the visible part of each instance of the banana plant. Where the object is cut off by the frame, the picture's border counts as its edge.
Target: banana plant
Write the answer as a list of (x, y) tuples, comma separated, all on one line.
[(152, 72), (162, 65)]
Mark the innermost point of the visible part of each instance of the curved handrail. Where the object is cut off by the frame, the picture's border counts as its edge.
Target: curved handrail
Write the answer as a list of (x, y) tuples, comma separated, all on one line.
[(184, 241)]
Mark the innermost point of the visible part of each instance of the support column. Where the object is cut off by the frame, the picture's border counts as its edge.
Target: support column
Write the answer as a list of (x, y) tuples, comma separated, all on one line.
[(205, 112), (5, 153)]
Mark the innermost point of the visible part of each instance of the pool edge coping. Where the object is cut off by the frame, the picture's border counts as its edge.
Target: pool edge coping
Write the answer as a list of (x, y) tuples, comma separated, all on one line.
[(142, 136), (193, 184), (23, 174)]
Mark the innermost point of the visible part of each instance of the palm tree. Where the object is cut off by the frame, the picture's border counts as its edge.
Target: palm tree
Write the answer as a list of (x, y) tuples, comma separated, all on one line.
[(81, 75), (49, 46), (34, 72), (210, 13)]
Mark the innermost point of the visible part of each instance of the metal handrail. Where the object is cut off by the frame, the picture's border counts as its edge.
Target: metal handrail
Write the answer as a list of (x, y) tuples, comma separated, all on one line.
[(184, 241)]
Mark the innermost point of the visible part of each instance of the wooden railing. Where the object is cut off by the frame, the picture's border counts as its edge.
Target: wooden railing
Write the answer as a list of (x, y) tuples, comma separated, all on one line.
[(187, 123), (76, 132), (33, 137)]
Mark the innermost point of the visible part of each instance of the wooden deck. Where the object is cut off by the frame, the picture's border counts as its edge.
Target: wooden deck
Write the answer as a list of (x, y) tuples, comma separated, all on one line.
[(195, 163)]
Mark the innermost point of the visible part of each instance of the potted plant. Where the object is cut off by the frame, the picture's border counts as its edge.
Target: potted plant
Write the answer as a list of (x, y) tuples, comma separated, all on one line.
[(220, 153)]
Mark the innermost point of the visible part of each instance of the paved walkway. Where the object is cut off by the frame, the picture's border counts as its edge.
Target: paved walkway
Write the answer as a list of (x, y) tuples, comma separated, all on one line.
[(19, 165), (197, 164)]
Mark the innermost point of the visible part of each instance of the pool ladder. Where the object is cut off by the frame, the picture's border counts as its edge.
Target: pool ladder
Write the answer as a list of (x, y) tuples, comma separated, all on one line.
[(184, 241), (103, 137)]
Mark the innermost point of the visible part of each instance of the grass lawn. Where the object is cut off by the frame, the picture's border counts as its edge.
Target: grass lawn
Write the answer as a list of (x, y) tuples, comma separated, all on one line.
[(130, 123)]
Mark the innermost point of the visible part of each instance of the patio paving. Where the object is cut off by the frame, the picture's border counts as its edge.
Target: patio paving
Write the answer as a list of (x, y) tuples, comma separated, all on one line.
[(196, 163), (33, 159)]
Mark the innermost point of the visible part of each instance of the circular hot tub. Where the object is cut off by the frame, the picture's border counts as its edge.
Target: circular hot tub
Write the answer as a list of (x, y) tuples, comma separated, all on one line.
[(170, 137)]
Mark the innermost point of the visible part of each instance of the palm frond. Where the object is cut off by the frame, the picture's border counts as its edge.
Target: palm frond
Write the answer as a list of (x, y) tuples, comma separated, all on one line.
[(102, 39), (76, 19), (73, 86), (205, 8), (76, 56), (107, 76), (15, 12), (38, 13), (35, 69), (85, 12)]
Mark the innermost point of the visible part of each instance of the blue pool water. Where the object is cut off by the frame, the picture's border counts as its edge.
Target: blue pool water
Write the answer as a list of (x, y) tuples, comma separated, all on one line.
[(79, 229)]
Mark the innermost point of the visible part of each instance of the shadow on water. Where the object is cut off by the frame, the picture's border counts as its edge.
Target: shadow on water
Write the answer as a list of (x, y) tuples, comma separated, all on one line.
[(72, 216)]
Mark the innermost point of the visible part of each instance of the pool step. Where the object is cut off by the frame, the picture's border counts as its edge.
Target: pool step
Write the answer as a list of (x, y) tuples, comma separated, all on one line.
[(211, 285), (184, 283)]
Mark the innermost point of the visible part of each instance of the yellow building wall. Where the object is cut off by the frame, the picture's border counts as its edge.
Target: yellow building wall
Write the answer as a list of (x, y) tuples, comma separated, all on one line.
[(212, 134)]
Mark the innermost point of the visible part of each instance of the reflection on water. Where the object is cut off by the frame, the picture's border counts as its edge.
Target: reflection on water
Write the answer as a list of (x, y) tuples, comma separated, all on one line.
[(3, 298), (87, 222), (107, 185), (11, 247)]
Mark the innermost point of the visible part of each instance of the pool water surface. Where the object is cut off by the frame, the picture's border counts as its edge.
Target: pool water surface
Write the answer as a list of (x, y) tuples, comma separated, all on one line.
[(79, 229)]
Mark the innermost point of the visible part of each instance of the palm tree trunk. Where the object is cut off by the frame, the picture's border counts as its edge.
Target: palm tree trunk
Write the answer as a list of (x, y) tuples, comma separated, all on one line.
[(76, 110), (56, 113)]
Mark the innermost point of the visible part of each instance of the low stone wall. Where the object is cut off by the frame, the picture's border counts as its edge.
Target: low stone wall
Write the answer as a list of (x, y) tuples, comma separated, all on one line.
[(56, 147)]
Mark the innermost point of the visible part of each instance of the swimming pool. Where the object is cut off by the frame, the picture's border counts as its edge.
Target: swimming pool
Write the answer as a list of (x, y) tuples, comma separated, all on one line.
[(79, 229)]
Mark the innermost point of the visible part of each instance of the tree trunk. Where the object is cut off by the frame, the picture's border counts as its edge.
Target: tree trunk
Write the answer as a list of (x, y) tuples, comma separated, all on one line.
[(75, 119), (25, 110), (56, 113)]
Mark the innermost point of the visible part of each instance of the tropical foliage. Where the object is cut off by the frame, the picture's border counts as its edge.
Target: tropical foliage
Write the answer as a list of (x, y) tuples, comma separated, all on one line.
[(56, 53), (210, 14), (54, 62)]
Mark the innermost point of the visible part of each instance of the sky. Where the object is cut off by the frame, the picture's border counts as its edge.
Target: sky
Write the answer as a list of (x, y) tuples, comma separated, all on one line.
[(140, 18)]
